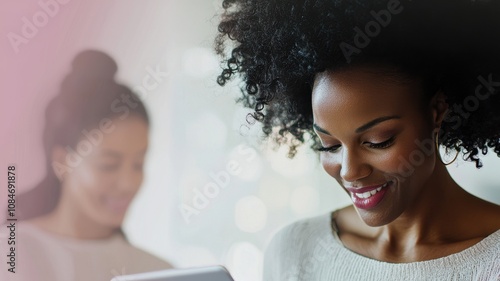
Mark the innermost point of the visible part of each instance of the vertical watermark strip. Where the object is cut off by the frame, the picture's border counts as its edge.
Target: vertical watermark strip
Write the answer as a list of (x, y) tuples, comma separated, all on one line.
[(11, 218)]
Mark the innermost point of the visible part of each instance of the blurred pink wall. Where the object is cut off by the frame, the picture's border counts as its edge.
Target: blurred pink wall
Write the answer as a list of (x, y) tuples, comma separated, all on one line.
[(39, 40)]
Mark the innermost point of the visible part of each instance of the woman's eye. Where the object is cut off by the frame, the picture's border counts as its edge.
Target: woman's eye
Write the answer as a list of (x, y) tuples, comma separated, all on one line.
[(383, 144), (333, 148)]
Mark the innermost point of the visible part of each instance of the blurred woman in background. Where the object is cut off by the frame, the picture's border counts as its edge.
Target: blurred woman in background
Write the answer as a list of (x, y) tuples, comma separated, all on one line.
[(95, 142)]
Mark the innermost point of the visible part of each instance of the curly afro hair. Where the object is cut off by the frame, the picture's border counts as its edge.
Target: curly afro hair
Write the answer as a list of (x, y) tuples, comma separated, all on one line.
[(278, 46)]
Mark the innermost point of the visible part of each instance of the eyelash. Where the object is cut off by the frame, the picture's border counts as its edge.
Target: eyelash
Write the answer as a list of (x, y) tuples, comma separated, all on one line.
[(384, 144), (381, 145), (329, 149)]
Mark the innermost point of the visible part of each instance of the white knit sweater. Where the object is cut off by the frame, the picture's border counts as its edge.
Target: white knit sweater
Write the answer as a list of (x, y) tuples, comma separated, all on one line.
[(308, 250)]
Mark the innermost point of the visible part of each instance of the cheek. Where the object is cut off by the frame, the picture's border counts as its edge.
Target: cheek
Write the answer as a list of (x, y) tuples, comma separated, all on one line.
[(136, 177), (393, 160), (400, 161), (409, 160), (91, 184)]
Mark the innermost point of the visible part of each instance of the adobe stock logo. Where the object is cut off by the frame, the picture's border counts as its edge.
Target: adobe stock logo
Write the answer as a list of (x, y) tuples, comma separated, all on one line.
[(220, 181), (30, 27), (373, 28), (472, 102)]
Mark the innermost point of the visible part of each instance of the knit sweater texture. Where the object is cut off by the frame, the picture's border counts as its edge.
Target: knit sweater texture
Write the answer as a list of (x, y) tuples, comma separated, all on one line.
[(310, 250)]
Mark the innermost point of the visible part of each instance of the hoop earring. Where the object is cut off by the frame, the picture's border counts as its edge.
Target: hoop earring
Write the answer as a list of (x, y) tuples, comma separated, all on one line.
[(437, 151)]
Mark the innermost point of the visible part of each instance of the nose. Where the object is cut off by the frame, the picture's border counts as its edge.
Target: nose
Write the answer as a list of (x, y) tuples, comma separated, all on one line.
[(353, 166)]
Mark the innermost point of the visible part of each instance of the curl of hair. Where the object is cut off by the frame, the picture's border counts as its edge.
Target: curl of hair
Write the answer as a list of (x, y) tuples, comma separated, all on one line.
[(278, 46)]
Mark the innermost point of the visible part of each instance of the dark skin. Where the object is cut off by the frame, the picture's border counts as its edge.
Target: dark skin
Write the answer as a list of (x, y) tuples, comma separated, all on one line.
[(424, 214)]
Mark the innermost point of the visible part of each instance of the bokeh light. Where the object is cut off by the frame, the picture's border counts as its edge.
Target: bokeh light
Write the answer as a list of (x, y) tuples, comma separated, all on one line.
[(250, 214), (275, 194), (249, 161), (199, 62), (304, 200), (206, 131), (244, 261), (299, 166)]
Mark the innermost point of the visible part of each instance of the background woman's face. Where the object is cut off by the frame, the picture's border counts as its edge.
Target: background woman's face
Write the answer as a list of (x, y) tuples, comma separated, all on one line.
[(379, 138), (106, 180)]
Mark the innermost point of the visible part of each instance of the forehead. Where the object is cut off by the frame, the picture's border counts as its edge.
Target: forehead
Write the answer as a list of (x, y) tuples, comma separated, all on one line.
[(362, 94), (129, 135)]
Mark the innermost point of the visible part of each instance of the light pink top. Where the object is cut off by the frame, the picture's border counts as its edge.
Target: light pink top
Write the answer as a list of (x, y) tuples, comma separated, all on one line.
[(43, 256)]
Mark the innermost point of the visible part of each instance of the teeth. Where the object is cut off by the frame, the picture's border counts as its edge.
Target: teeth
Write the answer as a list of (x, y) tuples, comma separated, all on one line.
[(365, 195), (369, 194)]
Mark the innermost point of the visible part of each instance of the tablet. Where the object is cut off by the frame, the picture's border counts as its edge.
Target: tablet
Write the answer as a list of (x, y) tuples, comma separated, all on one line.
[(210, 273)]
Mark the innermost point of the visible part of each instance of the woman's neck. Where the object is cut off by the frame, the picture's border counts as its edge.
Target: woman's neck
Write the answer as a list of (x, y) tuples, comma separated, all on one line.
[(443, 219), (441, 213)]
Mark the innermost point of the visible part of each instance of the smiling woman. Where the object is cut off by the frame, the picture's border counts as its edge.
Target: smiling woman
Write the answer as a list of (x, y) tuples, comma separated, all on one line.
[(70, 225), (377, 117), (380, 126)]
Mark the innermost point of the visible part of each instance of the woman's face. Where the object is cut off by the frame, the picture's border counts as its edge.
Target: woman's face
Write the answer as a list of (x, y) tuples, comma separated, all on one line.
[(102, 184), (377, 137)]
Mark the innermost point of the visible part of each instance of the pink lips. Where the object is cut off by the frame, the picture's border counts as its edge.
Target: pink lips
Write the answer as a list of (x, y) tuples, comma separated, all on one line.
[(362, 200)]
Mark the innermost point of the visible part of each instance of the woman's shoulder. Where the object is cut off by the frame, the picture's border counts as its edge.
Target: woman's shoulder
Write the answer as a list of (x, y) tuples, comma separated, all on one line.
[(20, 231), (483, 215), (302, 235), (116, 247), (124, 253), (303, 241), (147, 259), (306, 227)]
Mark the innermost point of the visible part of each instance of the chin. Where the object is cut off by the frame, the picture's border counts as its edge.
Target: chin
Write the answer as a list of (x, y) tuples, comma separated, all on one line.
[(115, 221), (110, 220), (375, 219)]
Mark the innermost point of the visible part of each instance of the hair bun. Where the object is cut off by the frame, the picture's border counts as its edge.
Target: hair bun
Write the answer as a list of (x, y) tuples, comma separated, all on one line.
[(93, 65)]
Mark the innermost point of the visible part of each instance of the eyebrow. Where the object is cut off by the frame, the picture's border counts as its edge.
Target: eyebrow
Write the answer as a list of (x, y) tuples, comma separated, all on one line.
[(362, 128)]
